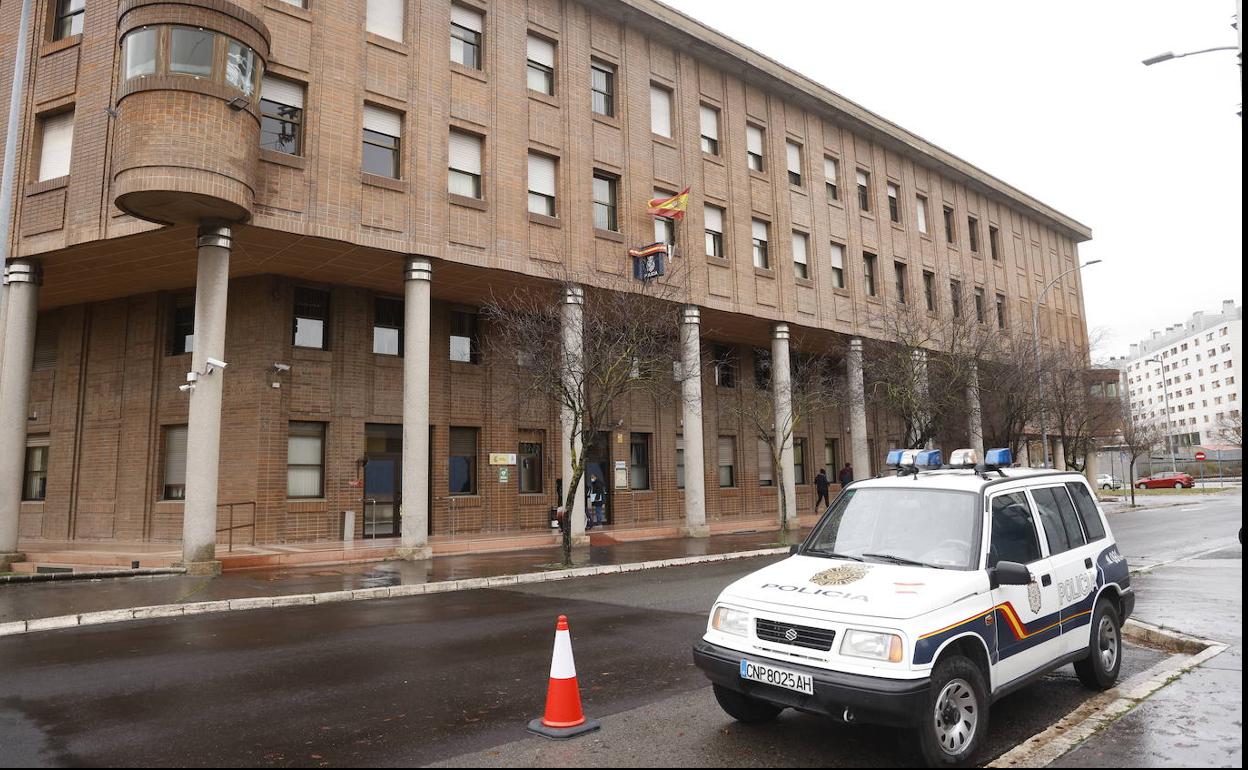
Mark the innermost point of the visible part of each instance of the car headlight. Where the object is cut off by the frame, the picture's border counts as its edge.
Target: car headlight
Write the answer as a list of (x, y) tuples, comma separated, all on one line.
[(871, 644), (730, 621)]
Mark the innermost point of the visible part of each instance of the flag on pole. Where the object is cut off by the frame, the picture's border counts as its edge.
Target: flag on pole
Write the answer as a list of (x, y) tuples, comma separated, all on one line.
[(673, 207)]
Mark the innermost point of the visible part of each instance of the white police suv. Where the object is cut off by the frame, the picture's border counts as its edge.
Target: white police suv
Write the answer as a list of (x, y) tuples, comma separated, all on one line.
[(921, 598)]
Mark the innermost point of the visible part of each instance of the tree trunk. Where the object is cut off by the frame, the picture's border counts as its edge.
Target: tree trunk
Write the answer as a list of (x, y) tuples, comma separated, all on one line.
[(569, 500)]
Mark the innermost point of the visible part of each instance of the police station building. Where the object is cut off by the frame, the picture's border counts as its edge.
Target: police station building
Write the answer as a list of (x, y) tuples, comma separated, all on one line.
[(247, 242)]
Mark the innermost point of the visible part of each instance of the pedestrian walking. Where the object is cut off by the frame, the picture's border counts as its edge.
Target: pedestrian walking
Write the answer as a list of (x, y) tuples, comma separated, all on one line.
[(597, 503), (847, 475), (821, 487)]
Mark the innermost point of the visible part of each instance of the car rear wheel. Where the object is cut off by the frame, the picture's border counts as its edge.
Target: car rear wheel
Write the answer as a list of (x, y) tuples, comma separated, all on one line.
[(1099, 670), (955, 720), (1141, 486), (743, 708)]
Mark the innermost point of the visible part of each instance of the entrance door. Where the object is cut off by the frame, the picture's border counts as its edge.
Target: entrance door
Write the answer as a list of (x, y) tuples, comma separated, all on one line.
[(598, 465), (383, 480)]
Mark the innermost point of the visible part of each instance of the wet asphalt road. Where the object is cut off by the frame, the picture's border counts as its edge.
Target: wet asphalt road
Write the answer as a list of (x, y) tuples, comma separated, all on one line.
[(451, 679)]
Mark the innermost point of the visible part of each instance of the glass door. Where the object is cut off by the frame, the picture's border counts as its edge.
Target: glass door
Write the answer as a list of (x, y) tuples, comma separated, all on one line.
[(383, 480)]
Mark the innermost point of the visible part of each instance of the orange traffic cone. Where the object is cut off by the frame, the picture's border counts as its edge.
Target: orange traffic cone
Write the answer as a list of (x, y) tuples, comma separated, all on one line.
[(563, 718)]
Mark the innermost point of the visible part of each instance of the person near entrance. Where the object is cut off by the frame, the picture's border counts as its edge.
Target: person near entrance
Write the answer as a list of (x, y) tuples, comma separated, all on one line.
[(821, 488), (847, 475), (596, 500)]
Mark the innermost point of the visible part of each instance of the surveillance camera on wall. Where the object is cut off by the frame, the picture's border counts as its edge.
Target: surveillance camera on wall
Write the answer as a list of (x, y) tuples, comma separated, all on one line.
[(217, 363), (281, 367), (187, 388)]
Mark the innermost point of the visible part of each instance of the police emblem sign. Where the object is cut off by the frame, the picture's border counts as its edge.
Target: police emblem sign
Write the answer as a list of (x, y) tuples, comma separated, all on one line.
[(649, 262)]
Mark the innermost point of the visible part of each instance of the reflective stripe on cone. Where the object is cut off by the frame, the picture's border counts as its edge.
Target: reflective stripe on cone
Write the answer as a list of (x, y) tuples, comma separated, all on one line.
[(563, 717)]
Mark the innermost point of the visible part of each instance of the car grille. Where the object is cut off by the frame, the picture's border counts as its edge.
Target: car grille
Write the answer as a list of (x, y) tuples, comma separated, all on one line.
[(798, 636)]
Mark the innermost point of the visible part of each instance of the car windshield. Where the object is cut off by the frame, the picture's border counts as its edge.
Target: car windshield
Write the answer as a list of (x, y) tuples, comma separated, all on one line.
[(925, 527)]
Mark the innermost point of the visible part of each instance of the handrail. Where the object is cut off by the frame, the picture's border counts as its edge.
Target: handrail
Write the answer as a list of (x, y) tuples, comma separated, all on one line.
[(230, 541)]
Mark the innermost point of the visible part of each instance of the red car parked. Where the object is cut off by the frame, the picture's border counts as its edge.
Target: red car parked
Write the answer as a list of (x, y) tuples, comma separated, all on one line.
[(1166, 480)]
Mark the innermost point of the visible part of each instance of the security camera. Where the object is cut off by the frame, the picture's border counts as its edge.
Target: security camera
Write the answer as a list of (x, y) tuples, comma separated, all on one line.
[(217, 363), (187, 388), (281, 367), (192, 377)]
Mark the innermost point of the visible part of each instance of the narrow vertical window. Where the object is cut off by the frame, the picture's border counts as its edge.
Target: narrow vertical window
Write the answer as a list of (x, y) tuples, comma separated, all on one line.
[(864, 190), (838, 266), (541, 71), (388, 326), (35, 478), (305, 460), (660, 111), (951, 234), (281, 115), (465, 343), (464, 162), (994, 242), (727, 457), (758, 230), (139, 52), (972, 234), (929, 290), (801, 265), (462, 462), (182, 326), (639, 461), (542, 184), (175, 463), (385, 18), (602, 84), (680, 462), (241, 67), (605, 213), (713, 217), (664, 228), (466, 28), (310, 318), (979, 304), (955, 298), (899, 270), (799, 460), (68, 22), (868, 272), (765, 475), (754, 147), (57, 144), (894, 203), (383, 130), (793, 158), (921, 213), (831, 171), (708, 118), (1002, 320), (530, 461), (725, 366)]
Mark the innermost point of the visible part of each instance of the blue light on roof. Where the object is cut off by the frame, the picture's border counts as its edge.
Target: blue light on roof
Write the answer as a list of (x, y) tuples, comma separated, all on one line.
[(894, 458), (930, 458), (999, 457)]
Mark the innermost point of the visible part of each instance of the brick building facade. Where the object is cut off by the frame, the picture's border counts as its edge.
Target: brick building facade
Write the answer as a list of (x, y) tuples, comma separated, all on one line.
[(156, 154)]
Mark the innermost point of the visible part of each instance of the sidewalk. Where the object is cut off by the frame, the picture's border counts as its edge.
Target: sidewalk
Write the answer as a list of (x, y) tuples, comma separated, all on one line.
[(28, 601), (1197, 720), (1154, 500)]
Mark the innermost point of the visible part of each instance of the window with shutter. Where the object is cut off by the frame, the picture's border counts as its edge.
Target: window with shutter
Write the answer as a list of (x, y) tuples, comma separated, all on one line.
[(838, 266), (714, 226), (464, 160), (385, 18), (541, 67), (758, 230), (467, 27), (727, 461), (175, 463), (383, 130), (708, 118), (57, 145), (542, 184), (793, 157), (801, 267), (305, 460), (764, 464), (660, 111), (831, 177), (462, 462), (754, 147)]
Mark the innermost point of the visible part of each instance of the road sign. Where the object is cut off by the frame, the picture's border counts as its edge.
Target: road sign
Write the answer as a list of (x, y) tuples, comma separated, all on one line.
[(1200, 456)]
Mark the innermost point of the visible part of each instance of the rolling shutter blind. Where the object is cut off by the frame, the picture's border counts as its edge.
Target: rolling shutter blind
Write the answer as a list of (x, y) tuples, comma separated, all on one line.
[(794, 155), (383, 121), (754, 139), (467, 19), (175, 455), (829, 169), (58, 143), (726, 451), (714, 219), (282, 91), (759, 230), (764, 463), (541, 51), (385, 18), (463, 442), (838, 256), (710, 122), (660, 111), (541, 174), (799, 248), (465, 152), (862, 179)]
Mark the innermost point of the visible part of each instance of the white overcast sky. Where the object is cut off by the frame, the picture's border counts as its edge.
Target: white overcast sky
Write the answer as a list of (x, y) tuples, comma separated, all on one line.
[(1052, 98)]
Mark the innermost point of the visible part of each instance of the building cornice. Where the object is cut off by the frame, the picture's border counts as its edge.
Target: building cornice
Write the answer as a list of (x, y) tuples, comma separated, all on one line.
[(706, 43)]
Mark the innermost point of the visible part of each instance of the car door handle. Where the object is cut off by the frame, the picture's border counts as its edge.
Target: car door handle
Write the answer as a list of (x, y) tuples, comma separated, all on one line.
[(1046, 580), (1087, 563)]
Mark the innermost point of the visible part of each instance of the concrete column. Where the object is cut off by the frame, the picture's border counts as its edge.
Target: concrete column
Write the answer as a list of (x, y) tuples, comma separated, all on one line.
[(21, 307), (860, 450), (918, 360), (1089, 465), (417, 288), (1059, 454), (1024, 453), (782, 392), (691, 417), (974, 411), (203, 435), (4, 303), (573, 313)]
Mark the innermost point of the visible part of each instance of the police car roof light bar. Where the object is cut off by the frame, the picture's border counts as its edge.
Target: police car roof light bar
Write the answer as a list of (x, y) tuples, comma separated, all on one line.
[(963, 458)]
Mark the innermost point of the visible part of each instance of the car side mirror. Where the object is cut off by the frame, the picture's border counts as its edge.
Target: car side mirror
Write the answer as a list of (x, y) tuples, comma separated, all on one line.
[(793, 549), (1010, 573)]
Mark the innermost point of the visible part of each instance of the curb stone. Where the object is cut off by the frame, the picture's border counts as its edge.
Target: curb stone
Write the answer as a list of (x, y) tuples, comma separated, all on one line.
[(33, 625), (1100, 711)]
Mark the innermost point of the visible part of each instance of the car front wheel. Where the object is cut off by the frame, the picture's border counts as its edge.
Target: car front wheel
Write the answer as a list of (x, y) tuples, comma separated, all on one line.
[(1099, 670), (1178, 485), (955, 720), (743, 708), (1141, 486)]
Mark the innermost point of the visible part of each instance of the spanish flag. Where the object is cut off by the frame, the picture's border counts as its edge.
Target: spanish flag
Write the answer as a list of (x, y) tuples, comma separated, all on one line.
[(673, 207)]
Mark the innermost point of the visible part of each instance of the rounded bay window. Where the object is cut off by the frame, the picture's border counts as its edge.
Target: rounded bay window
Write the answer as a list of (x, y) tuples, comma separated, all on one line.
[(188, 117)]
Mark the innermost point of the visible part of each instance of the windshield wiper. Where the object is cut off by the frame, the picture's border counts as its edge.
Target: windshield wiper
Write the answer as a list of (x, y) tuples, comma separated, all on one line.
[(830, 554), (901, 560)]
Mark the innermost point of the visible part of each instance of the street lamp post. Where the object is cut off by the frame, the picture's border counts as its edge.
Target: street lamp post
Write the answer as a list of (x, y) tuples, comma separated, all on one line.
[(1165, 395), (1035, 336), (1238, 47)]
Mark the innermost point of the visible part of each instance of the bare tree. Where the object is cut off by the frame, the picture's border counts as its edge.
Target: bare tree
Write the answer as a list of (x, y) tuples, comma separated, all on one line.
[(1139, 437), (1078, 407), (816, 384), (920, 367), (627, 345), (1231, 430), (1010, 392)]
